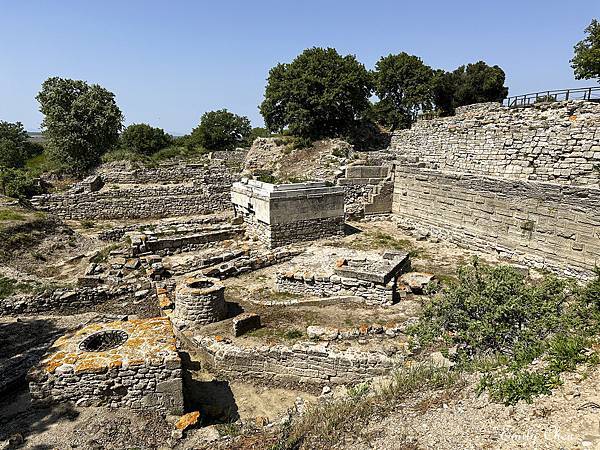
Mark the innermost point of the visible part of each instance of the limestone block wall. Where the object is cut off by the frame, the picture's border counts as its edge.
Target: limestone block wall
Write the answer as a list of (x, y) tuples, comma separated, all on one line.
[(146, 193), (549, 225), (554, 141), (336, 286), (300, 363)]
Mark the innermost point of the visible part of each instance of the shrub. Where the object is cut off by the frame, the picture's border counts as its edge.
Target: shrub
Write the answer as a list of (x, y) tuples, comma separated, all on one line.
[(14, 145), (144, 139), (221, 130), (18, 183)]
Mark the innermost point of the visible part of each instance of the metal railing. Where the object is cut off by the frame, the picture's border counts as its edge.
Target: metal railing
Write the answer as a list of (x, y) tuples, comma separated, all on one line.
[(590, 93)]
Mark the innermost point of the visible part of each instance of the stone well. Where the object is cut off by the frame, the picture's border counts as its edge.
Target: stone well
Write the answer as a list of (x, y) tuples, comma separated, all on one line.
[(131, 364), (199, 301)]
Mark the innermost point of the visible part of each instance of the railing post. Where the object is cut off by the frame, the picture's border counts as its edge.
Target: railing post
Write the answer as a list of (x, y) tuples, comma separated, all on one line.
[(567, 95)]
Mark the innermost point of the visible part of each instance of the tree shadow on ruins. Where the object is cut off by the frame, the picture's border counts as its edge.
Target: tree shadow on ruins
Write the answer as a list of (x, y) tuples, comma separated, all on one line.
[(214, 399), (350, 230), (23, 343)]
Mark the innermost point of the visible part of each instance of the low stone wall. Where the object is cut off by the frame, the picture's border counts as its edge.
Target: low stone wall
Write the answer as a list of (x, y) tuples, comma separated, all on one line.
[(249, 263), (169, 244), (193, 190), (144, 373), (550, 141), (305, 230), (301, 363), (199, 301), (336, 286), (59, 300), (551, 226)]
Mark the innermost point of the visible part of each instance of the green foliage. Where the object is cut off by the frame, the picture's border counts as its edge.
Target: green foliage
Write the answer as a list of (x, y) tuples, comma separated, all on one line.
[(256, 133), (319, 94), (403, 85), (18, 183), (586, 58), (221, 130), (81, 121), (496, 314), (477, 83), (144, 139), (10, 215), (14, 145)]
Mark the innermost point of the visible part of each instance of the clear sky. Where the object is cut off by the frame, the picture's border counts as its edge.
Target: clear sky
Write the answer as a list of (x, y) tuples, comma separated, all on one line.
[(170, 61)]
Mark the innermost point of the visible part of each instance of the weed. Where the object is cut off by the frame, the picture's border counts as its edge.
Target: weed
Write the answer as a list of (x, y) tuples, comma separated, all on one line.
[(230, 429), (9, 214), (88, 224)]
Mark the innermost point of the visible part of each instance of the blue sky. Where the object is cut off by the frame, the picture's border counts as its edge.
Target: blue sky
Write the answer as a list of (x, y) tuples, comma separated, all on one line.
[(170, 61)]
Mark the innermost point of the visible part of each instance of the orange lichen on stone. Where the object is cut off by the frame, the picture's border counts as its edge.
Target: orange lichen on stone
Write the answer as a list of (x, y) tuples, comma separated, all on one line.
[(219, 338), (187, 420), (148, 340), (363, 329)]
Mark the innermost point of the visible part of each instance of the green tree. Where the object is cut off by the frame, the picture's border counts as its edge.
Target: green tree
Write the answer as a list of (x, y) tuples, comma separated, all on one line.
[(443, 89), (586, 59), (81, 121), (478, 83), (14, 144), (319, 94), (144, 139), (403, 82), (221, 130)]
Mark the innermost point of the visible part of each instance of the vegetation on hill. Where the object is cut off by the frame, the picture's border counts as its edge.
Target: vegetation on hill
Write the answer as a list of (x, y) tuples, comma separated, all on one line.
[(81, 122), (319, 94), (221, 130), (586, 58), (522, 333), (143, 139)]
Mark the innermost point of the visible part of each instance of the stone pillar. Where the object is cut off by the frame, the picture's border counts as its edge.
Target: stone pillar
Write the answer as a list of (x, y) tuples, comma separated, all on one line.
[(199, 301)]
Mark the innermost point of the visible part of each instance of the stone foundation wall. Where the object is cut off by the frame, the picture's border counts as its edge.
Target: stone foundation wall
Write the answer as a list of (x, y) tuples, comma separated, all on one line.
[(140, 387), (58, 300), (555, 141), (277, 235), (183, 191), (335, 286), (300, 363), (545, 225)]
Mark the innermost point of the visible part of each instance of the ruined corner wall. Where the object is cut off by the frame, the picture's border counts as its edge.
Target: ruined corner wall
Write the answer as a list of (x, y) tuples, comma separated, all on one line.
[(553, 141), (173, 190), (547, 225)]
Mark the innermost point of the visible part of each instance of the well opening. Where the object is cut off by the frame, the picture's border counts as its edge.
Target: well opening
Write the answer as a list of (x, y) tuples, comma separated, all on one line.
[(200, 284), (103, 340)]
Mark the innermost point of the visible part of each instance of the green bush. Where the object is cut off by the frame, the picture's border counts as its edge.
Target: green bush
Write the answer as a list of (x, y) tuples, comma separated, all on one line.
[(14, 145), (18, 183), (495, 314), (144, 139)]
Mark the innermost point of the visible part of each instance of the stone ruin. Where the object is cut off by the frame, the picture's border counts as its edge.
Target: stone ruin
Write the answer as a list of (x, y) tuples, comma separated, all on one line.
[(131, 364), (199, 301), (284, 214), (329, 272)]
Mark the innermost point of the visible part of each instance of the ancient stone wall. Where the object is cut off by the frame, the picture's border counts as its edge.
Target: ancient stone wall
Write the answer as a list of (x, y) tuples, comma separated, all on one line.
[(548, 225), (145, 193), (300, 363), (553, 141)]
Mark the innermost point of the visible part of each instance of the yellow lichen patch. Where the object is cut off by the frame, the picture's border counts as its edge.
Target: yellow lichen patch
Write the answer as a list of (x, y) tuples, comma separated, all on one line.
[(149, 341), (187, 420)]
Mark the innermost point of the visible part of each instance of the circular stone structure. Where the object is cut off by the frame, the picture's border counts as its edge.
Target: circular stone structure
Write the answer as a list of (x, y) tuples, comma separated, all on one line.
[(199, 301), (103, 340)]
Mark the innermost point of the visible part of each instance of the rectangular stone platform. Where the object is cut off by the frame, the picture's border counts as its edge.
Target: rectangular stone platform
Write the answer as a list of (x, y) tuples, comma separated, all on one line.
[(287, 213)]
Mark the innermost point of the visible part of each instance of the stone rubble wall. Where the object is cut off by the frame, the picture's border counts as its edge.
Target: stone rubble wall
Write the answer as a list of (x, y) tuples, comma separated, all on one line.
[(545, 225), (183, 190), (301, 363), (58, 300), (552, 141), (336, 286), (199, 306), (140, 387)]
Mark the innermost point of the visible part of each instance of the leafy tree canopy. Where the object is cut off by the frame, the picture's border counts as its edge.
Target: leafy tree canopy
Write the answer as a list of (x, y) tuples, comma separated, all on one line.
[(478, 83), (14, 145), (586, 60), (403, 84), (144, 139), (221, 130), (81, 121), (319, 94)]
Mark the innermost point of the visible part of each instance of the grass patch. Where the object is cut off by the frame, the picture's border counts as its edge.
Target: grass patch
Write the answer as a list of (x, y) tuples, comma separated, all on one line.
[(102, 255), (9, 287), (10, 214), (277, 335), (378, 240), (324, 425)]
